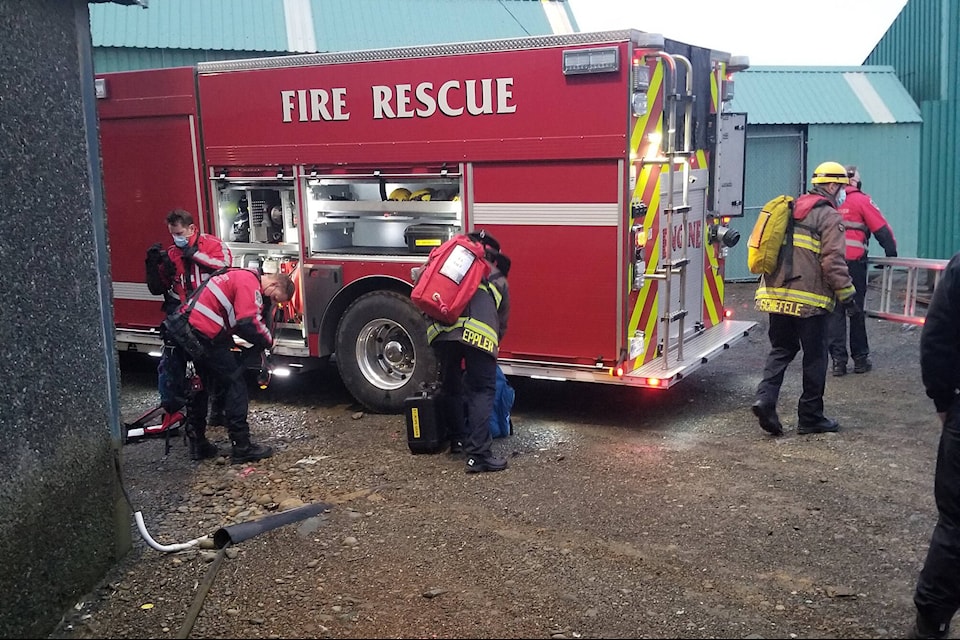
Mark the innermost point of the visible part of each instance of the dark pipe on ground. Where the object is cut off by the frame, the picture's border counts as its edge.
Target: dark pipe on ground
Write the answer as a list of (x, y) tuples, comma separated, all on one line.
[(244, 530)]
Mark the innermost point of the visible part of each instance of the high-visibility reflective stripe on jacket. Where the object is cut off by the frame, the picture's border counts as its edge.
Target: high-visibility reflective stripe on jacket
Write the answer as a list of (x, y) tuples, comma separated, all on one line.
[(211, 255), (818, 274), (232, 303), (484, 321), (861, 217)]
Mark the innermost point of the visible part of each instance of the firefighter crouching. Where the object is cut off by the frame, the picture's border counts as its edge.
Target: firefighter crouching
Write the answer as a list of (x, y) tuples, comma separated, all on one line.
[(231, 303), (474, 340), (799, 295)]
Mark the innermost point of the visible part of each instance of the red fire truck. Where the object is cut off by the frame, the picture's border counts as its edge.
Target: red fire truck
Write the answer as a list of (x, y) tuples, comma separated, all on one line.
[(602, 162)]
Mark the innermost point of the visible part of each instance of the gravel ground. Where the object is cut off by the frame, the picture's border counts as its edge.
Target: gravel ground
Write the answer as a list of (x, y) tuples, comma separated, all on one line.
[(624, 513)]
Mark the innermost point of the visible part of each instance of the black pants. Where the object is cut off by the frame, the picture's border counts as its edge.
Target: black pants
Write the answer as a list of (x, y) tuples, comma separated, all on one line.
[(788, 335), (219, 368), (175, 392), (469, 389), (837, 330), (938, 589)]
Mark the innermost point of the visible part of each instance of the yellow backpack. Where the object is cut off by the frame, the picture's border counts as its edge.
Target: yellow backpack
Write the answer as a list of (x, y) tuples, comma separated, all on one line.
[(769, 235)]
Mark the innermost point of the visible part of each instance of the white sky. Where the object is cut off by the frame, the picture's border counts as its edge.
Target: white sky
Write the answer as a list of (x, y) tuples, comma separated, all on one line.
[(768, 32)]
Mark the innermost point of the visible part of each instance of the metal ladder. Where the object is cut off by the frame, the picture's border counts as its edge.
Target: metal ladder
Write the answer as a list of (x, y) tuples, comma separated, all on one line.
[(671, 157), (902, 289)]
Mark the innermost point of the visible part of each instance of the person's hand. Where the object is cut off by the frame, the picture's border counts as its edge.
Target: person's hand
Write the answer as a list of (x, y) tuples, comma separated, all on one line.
[(167, 267), (189, 250), (851, 308)]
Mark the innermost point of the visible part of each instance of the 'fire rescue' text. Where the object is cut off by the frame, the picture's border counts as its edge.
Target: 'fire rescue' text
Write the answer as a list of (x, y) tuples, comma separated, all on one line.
[(452, 98)]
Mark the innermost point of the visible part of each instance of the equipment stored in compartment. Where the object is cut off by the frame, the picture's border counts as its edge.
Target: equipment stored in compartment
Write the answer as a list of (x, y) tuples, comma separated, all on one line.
[(421, 238)]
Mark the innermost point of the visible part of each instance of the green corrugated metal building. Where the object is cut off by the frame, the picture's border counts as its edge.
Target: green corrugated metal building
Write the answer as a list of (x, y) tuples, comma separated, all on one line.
[(798, 117), (172, 33), (923, 45)]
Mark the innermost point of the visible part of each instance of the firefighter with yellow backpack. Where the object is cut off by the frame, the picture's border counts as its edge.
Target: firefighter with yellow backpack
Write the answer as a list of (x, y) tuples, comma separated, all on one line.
[(799, 292)]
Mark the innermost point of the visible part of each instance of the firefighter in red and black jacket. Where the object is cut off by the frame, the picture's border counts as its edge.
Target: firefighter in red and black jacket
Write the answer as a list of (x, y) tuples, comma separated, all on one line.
[(195, 255), (236, 302), (192, 258), (799, 295), (861, 217)]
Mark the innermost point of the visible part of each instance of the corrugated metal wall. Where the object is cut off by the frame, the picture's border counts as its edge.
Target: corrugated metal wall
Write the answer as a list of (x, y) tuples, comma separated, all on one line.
[(183, 32), (888, 156), (109, 59), (940, 175), (913, 47), (780, 159), (923, 45), (774, 157)]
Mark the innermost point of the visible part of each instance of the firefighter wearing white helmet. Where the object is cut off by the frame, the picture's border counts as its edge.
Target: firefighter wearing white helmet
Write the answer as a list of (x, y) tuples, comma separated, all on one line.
[(810, 277)]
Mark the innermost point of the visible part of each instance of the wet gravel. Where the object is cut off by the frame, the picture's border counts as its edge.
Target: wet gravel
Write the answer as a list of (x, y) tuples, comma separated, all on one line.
[(624, 513)]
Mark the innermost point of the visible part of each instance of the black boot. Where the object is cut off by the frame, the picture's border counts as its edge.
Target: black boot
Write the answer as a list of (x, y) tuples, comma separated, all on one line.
[(479, 464), (824, 425), (767, 415), (246, 451), (924, 628), (200, 447)]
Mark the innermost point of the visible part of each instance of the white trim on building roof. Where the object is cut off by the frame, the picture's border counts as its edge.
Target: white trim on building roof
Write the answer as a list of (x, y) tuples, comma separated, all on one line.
[(298, 18), (867, 94)]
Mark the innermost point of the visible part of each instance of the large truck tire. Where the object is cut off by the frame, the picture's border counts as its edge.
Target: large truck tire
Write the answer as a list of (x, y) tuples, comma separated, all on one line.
[(382, 352)]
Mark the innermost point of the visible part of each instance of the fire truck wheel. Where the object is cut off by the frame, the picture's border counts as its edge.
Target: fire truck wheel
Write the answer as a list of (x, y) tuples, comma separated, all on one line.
[(382, 351)]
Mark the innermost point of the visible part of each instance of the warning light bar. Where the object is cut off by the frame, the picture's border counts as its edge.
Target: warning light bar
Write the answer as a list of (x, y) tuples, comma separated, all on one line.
[(594, 60)]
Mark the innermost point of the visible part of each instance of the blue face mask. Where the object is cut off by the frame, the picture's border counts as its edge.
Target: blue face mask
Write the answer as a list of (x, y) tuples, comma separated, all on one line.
[(841, 196), (181, 241)]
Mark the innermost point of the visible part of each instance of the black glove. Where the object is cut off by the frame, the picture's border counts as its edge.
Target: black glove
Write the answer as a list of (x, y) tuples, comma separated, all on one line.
[(851, 308), (153, 262), (167, 268), (892, 254), (189, 250)]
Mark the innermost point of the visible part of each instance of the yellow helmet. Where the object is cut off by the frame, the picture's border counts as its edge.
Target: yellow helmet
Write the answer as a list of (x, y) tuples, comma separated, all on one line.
[(422, 194), (830, 172), (403, 194)]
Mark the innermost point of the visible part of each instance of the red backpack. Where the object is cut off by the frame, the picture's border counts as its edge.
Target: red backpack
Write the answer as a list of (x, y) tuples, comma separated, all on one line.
[(452, 274)]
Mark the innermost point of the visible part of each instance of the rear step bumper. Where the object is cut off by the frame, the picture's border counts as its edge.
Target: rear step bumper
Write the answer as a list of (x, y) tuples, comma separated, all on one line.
[(698, 350)]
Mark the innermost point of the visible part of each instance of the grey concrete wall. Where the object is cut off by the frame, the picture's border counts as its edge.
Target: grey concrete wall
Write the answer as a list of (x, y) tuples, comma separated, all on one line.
[(61, 522)]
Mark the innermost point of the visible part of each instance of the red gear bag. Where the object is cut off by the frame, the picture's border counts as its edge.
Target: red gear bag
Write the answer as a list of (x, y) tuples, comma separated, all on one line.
[(452, 274)]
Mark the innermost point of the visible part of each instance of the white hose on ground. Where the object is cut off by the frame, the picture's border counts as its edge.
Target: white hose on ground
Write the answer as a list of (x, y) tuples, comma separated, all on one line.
[(162, 547)]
